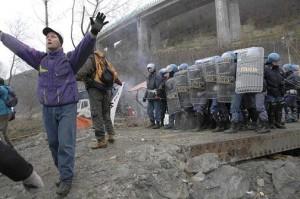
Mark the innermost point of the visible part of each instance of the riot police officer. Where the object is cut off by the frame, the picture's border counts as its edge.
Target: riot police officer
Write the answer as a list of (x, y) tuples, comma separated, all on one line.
[(291, 91), (173, 105), (154, 103), (274, 78), (162, 93)]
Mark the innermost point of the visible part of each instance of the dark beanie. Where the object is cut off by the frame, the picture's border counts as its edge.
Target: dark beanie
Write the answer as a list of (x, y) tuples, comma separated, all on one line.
[(47, 30)]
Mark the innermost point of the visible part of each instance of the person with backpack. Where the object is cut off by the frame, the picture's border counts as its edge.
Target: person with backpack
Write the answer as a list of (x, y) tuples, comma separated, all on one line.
[(99, 75), (5, 111), (57, 92)]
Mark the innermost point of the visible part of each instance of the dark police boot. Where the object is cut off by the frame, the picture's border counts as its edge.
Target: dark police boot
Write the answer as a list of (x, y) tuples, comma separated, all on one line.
[(253, 126), (169, 126), (235, 127), (156, 126), (220, 127), (264, 128), (278, 116), (200, 119), (151, 125)]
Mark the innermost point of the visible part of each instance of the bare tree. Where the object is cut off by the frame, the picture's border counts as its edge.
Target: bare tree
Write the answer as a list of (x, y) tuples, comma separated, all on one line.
[(18, 30), (92, 7)]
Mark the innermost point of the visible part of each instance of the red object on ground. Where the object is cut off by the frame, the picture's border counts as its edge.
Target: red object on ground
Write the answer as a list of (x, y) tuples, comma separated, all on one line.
[(83, 123)]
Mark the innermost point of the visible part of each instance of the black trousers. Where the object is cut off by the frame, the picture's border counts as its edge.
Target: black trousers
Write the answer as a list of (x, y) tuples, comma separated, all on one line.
[(12, 164)]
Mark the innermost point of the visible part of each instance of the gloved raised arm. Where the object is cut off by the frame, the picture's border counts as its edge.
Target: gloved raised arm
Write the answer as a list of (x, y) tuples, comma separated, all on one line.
[(98, 24)]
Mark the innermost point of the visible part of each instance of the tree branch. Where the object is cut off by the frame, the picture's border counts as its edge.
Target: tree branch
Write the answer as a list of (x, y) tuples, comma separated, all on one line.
[(72, 23), (82, 21)]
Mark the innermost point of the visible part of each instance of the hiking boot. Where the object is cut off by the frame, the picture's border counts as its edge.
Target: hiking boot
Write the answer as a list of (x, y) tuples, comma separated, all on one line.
[(64, 189), (111, 138), (101, 143), (233, 129)]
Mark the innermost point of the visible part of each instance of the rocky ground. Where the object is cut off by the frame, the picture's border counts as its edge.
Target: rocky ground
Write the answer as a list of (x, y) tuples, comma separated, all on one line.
[(140, 166)]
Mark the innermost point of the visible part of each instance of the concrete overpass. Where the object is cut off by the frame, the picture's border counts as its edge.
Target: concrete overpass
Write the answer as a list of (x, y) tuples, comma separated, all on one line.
[(142, 31)]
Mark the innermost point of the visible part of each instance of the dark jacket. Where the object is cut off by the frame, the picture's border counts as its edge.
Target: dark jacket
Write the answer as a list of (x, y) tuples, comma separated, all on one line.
[(274, 78), (56, 82), (88, 73), (153, 83)]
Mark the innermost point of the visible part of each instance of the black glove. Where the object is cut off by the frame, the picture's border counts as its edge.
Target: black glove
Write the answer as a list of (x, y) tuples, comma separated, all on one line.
[(98, 24)]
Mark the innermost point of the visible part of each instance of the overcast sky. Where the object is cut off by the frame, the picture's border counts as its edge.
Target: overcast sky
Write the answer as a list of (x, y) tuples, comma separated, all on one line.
[(31, 13)]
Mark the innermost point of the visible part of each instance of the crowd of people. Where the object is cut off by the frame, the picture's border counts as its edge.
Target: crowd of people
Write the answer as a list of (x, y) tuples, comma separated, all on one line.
[(216, 93)]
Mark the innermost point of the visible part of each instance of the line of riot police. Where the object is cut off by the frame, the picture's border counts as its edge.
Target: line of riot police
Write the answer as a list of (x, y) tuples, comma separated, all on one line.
[(240, 90)]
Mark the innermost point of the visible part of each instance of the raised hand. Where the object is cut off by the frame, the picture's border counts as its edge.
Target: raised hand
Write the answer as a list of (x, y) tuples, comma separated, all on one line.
[(98, 24)]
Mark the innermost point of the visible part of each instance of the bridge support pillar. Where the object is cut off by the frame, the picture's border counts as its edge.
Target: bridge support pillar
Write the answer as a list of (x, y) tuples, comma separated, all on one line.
[(155, 38), (143, 42), (228, 21), (234, 19), (223, 28)]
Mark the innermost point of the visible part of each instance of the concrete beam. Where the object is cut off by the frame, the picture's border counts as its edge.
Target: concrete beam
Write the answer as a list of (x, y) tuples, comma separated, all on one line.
[(234, 20), (143, 41), (223, 28)]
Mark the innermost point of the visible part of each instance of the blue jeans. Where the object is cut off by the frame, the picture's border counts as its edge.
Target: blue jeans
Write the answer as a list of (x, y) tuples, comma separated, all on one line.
[(60, 125), (235, 108), (260, 106), (201, 106), (154, 110)]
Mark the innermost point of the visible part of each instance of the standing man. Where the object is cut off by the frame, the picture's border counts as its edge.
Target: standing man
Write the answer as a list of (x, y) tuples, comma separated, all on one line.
[(154, 103), (99, 75), (274, 78), (5, 112), (57, 92)]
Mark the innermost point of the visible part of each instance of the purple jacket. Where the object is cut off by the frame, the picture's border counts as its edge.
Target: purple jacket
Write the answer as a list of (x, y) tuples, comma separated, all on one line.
[(56, 83)]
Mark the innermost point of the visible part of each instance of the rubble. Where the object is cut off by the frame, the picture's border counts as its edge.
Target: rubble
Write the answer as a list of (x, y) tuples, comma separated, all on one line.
[(148, 169)]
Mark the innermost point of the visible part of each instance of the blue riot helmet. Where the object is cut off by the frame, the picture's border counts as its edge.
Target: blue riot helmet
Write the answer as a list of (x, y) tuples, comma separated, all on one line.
[(151, 67), (172, 69), (183, 66), (198, 61), (230, 55), (295, 67), (162, 72), (273, 58), (287, 67)]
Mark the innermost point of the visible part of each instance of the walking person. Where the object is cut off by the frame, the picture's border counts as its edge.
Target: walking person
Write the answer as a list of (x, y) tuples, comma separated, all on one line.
[(57, 92), (99, 75)]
